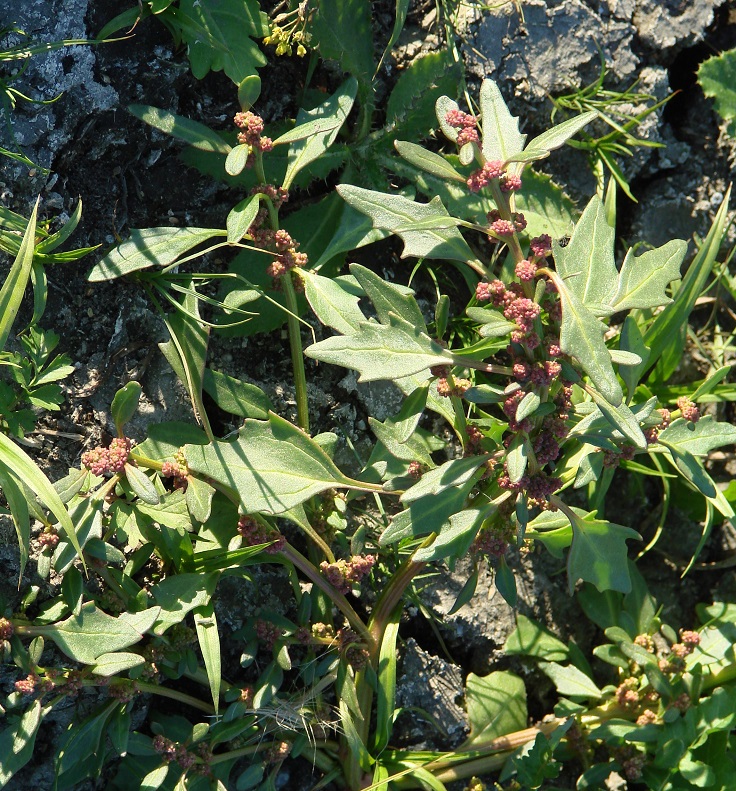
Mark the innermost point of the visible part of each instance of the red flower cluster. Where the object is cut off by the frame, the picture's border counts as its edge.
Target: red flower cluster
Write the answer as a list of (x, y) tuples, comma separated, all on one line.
[(101, 460), (343, 574), (251, 126), (254, 533)]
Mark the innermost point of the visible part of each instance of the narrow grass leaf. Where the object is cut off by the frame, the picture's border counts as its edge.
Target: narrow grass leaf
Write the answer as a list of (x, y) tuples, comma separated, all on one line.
[(15, 459), (386, 691), (14, 286), (663, 334), (205, 623)]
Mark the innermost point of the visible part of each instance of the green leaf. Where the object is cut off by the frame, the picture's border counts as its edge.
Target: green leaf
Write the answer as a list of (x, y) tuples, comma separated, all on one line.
[(388, 298), (248, 91), (691, 469), (92, 633), (320, 130), (598, 554), (17, 741), (426, 229), (699, 438), (717, 78), (667, 333), (410, 110), (155, 778), (141, 484), (241, 217), (343, 32), (558, 135), (199, 496), (378, 351), (235, 163), (496, 706), (334, 305), (622, 418), (451, 474), (631, 340), (14, 286), (427, 161), (148, 247), (386, 691), (570, 681), (517, 457), (455, 536), (493, 323), (26, 470), (531, 639), (643, 278), (111, 664), (205, 622), (186, 352), (236, 397), (586, 263), (125, 404), (501, 137), (192, 132), (427, 515), (179, 594), (219, 32), (273, 466), (581, 336)]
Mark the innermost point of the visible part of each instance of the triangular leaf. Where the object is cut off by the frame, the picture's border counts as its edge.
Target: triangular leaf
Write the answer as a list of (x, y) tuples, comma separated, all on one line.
[(272, 465), (598, 554), (413, 222), (378, 351)]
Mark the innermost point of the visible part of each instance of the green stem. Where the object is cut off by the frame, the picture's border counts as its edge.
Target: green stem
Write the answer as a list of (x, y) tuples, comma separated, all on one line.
[(165, 692), (297, 355), (338, 599)]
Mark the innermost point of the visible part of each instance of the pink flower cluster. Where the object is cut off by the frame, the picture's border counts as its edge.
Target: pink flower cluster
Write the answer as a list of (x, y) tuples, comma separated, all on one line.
[(101, 460), (457, 388), (343, 574), (251, 126), (268, 633), (688, 409), (466, 124), (494, 170), (254, 533), (491, 540), (176, 469), (541, 246)]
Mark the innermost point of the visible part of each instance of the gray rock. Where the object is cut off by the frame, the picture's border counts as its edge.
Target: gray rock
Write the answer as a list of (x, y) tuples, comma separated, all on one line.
[(436, 686), (44, 129)]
